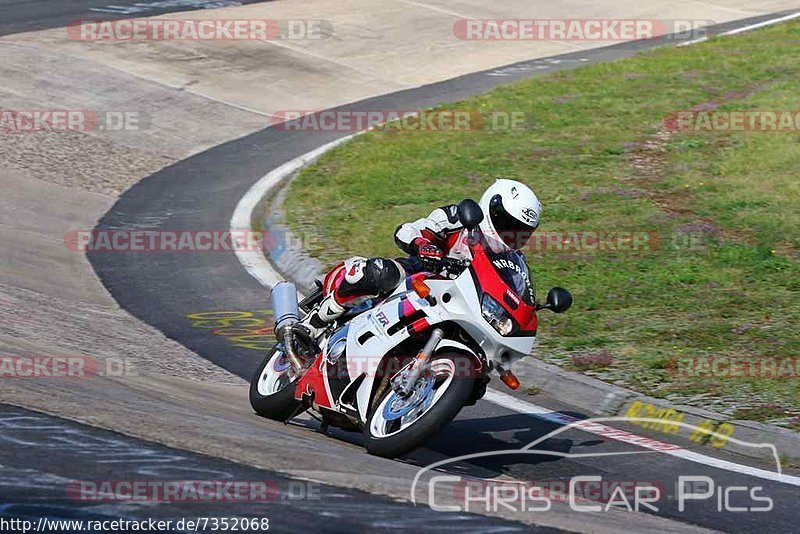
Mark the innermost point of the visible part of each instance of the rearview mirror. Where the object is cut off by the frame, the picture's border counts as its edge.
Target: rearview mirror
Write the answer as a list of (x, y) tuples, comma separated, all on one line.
[(558, 300), (470, 214)]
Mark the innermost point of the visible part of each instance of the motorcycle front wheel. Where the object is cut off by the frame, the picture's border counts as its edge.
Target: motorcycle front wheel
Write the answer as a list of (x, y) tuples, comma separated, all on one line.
[(272, 386), (397, 425)]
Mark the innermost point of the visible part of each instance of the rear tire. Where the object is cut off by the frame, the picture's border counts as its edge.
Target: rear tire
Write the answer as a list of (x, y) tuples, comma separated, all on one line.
[(443, 409), (272, 387)]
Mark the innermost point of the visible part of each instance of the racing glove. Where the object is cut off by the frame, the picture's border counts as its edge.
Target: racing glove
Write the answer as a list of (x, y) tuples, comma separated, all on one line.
[(429, 254)]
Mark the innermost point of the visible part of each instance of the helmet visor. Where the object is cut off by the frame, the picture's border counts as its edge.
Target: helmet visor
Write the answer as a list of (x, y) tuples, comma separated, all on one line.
[(514, 232)]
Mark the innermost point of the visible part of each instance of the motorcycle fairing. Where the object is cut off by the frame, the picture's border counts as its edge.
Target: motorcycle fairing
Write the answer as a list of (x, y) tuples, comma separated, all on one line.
[(374, 333)]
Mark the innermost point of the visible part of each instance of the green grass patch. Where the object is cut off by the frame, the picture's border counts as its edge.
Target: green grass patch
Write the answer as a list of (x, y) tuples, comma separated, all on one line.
[(725, 277)]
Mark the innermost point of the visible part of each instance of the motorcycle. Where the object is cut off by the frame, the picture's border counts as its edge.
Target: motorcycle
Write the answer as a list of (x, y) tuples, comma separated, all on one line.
[(401, 368)]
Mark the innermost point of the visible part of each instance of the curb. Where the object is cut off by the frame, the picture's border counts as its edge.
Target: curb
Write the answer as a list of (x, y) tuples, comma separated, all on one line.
[(588, 394), (599, 398), (286, 254)]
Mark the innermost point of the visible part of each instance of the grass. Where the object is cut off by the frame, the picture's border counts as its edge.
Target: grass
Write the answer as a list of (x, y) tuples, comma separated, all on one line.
[(725, 279), (763, 412)]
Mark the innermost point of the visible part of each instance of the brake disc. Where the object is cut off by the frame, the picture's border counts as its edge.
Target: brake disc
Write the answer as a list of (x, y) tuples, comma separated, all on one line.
[(398, 406)]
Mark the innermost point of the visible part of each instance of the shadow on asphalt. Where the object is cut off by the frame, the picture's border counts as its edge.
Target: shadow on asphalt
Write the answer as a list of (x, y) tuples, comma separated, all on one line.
[(477, 435)]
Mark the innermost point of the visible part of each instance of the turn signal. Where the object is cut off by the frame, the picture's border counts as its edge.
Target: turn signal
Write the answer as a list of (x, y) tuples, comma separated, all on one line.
[(421, 288), (509, 379)]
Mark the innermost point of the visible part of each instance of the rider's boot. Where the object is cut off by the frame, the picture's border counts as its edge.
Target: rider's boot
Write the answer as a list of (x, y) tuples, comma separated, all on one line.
[(318, 320)]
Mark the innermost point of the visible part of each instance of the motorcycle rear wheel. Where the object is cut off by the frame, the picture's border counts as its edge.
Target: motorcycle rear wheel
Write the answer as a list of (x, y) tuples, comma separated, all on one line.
[(272, 387), (393, 429)]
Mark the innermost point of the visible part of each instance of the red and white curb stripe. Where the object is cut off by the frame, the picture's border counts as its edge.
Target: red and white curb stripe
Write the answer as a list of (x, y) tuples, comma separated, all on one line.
[(593, 426)]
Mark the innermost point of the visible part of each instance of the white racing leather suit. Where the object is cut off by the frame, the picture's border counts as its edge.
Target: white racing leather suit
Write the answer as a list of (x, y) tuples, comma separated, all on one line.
[(358, 279)]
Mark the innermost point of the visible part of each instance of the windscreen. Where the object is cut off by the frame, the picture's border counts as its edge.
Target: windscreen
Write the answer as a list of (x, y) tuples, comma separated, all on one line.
[(511, 267)]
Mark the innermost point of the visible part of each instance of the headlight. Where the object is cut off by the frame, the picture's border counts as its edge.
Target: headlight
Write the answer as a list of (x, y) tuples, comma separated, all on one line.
[(336, 351), (496, 315)]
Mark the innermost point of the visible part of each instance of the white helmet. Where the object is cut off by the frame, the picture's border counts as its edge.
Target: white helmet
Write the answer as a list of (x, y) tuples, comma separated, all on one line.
[(511, 212)]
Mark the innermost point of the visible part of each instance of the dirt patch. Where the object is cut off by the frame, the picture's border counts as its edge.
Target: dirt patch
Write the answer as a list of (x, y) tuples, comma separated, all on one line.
[(34, 324), (76, 159)]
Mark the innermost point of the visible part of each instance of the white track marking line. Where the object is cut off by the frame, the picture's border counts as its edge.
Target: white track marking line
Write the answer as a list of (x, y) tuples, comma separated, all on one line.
[(254, 261), (761, 24), (745, 28), (520, 406), (693, 41), (219, 101), (437, 9), (257, 265)]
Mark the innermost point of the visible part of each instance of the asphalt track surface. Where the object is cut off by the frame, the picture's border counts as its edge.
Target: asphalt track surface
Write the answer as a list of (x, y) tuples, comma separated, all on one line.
[(200, 193), (61, 452), (17, 16)]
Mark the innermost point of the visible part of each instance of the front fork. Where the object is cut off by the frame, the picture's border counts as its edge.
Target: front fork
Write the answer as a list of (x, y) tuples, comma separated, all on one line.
[(404, 386)]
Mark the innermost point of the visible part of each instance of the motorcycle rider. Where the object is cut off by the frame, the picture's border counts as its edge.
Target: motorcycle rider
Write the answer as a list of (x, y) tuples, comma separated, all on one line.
[(511, 214)]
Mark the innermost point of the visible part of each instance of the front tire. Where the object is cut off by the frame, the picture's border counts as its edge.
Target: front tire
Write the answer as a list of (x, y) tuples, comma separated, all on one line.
[(272, 387), (389, 432)]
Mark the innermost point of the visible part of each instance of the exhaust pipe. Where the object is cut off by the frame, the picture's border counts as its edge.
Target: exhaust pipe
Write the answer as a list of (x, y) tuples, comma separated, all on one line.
[(284, 306), (287, 313)]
